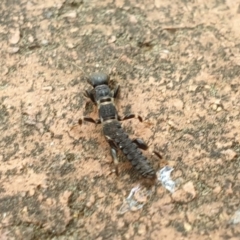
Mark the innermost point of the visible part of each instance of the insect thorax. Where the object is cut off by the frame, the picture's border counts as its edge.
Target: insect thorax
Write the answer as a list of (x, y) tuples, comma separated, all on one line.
[(102, 91)]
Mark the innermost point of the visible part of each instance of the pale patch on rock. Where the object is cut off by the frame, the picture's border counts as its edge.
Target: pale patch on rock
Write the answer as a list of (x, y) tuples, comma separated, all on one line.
[(186, 194), (229, 154), (15, 37)]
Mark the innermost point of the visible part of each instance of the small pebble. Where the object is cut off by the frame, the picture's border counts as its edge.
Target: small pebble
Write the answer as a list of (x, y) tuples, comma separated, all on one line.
[(13, 50), (14, 39), (72, 14), (47, 88), (31, 39), (142, 229), (187, 226), (192, 88)]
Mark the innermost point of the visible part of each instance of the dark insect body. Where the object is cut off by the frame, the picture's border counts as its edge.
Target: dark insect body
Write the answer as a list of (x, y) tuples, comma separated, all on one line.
[(115, 135)]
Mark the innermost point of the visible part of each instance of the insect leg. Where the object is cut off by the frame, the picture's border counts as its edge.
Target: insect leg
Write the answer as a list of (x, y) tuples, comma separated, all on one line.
[(115, 159), (128, 116), (89, 94), (88, 119), (113, 150), (140, 143), (116, 91), (140, 119), (157, 154)]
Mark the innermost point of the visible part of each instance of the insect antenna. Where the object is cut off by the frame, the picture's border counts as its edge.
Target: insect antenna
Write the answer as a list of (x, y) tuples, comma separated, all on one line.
[(116, 63), (72, 63)]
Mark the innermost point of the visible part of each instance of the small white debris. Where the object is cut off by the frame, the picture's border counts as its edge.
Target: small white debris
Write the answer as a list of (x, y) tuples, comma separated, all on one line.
[(163, 176), (235, 219), (130, 203), (44, 42), (137, 198), (140, 195), (31, 39), (112, 39)]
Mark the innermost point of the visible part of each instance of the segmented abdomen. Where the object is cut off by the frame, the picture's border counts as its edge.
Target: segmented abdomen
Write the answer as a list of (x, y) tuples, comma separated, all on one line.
[(115, 132), (107, 111)]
